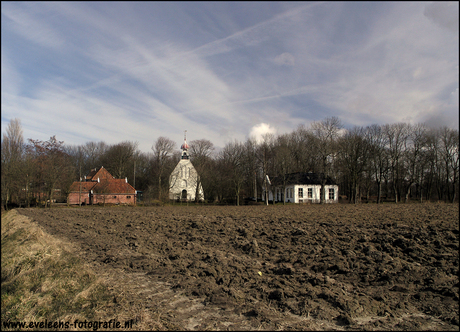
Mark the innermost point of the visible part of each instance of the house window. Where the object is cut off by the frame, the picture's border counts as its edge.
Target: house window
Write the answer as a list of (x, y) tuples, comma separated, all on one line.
[(310, 192), (300, 192), (114, 196), (128, 197), (331, 193)]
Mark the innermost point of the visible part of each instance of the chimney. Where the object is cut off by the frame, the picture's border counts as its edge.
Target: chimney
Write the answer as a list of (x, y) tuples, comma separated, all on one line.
[(126, 180)]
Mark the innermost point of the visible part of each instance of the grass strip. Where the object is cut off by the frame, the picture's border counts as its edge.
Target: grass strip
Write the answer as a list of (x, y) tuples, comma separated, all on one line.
[(43, 280)]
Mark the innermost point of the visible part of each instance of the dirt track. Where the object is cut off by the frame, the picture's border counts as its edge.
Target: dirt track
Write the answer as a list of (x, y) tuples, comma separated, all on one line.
[(307, 267)]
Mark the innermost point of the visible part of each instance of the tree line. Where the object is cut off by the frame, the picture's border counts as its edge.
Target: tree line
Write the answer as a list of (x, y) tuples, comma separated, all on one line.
[(397, 162)]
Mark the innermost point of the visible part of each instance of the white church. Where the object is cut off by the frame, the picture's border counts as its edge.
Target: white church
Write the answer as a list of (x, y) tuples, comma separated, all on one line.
[(184, 179)]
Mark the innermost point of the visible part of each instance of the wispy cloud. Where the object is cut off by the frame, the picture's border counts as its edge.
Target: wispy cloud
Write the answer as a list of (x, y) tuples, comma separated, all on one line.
[(32, 27), (137, 71)]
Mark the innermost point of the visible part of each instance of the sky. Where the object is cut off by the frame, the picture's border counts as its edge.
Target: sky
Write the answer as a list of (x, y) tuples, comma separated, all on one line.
[(224, 71)]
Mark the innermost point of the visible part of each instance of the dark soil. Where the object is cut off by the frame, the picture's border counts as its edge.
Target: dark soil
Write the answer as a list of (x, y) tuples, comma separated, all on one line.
[(297, 267)]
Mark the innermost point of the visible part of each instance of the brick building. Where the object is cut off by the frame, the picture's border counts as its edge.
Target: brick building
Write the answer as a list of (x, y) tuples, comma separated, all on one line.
[(100, 187)]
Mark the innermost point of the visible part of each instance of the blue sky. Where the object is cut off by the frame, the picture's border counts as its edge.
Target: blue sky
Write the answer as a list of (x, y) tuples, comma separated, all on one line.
[(134, 71)]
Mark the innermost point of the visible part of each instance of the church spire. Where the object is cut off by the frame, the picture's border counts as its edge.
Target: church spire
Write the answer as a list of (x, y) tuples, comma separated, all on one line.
[(185, 147)]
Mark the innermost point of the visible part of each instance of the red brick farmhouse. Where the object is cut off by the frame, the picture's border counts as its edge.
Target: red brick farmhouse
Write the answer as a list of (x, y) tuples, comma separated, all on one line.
[(100, 187)]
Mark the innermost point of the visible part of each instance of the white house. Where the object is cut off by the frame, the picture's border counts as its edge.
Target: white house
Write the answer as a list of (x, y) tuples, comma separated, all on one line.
[(184, 179), (302, 188)]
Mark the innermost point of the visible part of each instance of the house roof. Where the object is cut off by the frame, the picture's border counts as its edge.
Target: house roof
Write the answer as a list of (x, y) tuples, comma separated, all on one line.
[(100, 173), (85, 186), (302, 178), (113, 186)]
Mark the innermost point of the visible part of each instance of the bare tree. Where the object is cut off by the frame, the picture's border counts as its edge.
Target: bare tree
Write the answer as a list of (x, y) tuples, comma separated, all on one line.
[(200, 156), (264, 155), (141, 175), (450, 157), (326, 134), (53, 166), (232, 157), (77, 156), (412, 156), (119, 159), (13, 179), (378, 158), (430, 156), (303, 150), (354, 155), (283, 162), (162, 152), (93, 152), (251, 167), (396, 134)]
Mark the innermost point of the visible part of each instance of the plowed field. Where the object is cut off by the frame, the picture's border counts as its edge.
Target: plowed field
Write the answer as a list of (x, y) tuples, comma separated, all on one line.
[(302, 267)]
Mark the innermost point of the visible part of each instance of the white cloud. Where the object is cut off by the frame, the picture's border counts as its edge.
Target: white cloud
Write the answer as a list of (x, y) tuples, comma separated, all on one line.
[(259, 130)]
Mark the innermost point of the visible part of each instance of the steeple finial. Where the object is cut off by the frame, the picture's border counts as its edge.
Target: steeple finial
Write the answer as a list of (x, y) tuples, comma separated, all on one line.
[(185, 135)]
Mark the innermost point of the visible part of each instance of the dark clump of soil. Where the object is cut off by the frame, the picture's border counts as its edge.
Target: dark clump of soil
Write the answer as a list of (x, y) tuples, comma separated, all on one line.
[(303, 267)]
